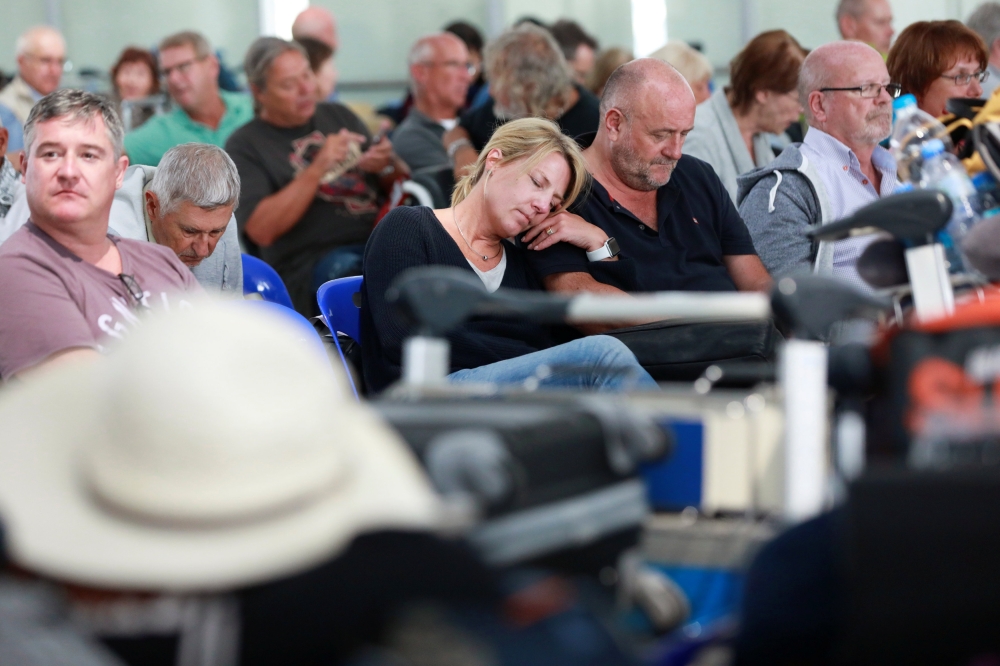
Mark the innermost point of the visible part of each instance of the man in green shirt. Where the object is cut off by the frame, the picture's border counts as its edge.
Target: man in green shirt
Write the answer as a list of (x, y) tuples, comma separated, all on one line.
[(202, 113)]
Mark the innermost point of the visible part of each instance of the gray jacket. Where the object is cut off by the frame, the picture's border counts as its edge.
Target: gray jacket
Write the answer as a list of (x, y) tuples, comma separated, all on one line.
[(779, 203), (716, 139), (222, 271)]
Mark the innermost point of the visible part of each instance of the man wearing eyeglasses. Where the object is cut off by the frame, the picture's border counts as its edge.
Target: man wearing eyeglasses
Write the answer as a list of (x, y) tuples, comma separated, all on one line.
[(838, 168), (202, 113), (41, 53), (67, 287), (440, 74)]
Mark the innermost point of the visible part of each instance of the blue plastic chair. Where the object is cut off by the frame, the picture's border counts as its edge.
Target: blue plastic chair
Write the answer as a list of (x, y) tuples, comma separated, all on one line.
[(306, 331), (340, 309), (259, 278)]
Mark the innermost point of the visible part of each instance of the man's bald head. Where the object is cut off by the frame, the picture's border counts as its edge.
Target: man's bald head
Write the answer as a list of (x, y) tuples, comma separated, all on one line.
[(316, 23), (834, 65), (647, 109), (439, 74), (857, 122), (430, 47), (41, 52), (634, 81)]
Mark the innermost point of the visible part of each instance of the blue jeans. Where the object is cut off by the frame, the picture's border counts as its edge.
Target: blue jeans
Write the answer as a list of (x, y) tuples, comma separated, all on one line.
[(596, 363), (337, 263)]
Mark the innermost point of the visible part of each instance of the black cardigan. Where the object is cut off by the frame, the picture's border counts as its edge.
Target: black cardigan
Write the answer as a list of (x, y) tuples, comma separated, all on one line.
[(412, 236)]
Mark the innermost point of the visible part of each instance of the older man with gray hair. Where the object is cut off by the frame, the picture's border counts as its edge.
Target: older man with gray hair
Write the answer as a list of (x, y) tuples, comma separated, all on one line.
[(41, 53), (838, 168), (985, 21), (440, 74)]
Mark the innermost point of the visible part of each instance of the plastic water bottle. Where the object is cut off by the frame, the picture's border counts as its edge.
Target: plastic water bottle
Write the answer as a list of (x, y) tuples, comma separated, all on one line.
[(942, 171), (911, 129), (988, 193)]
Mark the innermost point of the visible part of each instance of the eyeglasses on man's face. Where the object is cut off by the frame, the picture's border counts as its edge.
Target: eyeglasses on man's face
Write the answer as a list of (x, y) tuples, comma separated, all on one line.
[(181, 68), (870, 90), (965, 79), (467, 66)]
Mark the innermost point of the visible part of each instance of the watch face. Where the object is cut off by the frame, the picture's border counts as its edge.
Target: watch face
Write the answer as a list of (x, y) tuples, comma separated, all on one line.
[(612, 245)]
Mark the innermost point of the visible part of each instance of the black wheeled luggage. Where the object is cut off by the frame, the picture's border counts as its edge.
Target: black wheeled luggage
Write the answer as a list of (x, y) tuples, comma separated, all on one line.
[(544, 473)]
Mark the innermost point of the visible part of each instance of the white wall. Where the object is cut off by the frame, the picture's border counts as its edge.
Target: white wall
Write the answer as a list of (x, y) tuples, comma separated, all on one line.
[(376, 34), (96, 31), (811, 22)]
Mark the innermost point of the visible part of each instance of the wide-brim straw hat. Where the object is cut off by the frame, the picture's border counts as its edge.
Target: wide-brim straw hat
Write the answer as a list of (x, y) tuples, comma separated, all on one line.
[(214, 449)]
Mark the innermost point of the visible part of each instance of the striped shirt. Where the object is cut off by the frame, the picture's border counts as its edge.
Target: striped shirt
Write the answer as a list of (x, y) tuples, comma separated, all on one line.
[(848, 189)]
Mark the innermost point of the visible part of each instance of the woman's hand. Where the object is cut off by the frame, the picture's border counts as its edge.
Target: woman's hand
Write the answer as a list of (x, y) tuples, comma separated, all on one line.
[(565, 227)]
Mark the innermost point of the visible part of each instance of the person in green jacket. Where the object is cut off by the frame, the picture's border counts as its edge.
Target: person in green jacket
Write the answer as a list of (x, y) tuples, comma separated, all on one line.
[(202, 113)]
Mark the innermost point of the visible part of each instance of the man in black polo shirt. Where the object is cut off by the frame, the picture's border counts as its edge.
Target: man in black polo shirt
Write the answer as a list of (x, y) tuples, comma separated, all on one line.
[(669, 213)]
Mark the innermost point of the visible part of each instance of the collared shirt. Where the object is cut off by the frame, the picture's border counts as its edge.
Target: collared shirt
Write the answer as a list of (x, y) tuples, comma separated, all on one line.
[(147, 144), (417, 141), (697, 226), (848, 189)]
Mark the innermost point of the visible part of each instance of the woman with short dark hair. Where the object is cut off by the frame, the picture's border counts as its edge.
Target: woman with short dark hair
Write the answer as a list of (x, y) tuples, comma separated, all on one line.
[(938, 60), (734, 130)]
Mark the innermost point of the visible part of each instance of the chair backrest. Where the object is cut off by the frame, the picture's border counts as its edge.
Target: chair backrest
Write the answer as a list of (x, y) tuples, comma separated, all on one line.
[(306, 331), (340, 307), (339, 303), (260, 279)]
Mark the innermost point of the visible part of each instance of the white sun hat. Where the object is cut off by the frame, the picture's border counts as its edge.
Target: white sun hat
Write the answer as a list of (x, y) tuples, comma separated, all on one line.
[(213, 449)]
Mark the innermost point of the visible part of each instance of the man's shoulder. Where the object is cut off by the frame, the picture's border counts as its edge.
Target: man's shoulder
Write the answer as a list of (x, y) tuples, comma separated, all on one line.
[(695, 176), (14, 92), (141, 248), (417, 124), (330, 115), (246, 133), (478, 115), (146, 144), (789, 164), (237, 104), (19, 243), (156, 266)]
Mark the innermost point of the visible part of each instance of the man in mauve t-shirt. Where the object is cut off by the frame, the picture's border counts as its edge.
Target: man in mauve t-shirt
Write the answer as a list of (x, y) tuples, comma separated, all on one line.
[(66, 286)]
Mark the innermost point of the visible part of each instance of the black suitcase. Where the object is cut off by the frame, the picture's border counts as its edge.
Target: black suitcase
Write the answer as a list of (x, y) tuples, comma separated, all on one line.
[(544, 472)]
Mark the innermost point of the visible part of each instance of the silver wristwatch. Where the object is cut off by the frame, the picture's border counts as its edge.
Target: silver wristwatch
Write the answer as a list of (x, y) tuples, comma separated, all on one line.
[(606, 251)]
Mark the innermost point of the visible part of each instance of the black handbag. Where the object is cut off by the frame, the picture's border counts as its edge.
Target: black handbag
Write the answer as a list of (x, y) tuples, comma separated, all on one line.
[(682, 352)]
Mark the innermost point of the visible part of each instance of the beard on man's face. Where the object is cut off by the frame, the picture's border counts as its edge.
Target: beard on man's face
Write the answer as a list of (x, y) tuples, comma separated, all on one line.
[(636, 172), (878, 126)]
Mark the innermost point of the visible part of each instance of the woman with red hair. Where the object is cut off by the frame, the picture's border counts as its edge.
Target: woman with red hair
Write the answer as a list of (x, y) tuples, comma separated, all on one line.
[(135, 76), (938, 60)]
